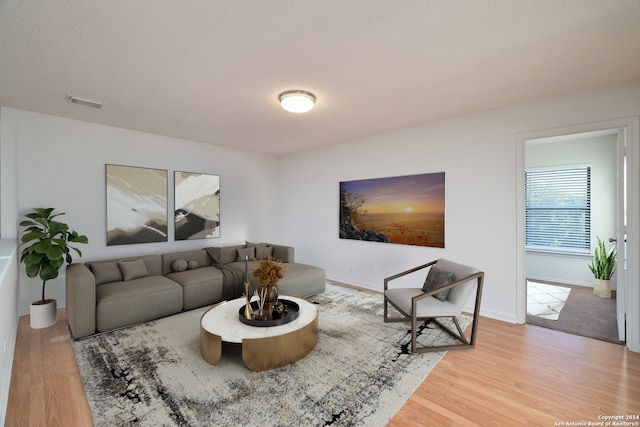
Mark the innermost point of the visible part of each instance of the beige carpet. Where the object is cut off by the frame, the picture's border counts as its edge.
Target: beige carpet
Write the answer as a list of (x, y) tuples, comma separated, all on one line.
[(546, 301)]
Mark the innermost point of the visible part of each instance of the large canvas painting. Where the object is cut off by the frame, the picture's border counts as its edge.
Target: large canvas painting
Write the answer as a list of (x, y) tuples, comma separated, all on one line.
[(407, 210), (197, 205), (136, 205)]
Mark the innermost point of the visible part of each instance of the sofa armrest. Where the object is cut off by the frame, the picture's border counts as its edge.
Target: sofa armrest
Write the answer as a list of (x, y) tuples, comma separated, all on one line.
[(284, 253), (81, 300)]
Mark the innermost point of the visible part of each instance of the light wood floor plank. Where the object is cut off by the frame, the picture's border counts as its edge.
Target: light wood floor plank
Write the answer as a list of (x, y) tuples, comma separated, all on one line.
[(517, 375)]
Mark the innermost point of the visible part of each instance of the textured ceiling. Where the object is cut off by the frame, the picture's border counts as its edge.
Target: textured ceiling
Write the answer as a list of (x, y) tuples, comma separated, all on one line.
[(211, 70)]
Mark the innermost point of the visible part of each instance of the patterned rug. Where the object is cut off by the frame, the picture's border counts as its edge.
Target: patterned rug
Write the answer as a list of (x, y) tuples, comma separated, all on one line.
[(546, 301), (359, 374)]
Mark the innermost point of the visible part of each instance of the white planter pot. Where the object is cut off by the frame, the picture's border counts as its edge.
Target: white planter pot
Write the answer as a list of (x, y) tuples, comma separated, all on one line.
[(44, 315), (602, 288)]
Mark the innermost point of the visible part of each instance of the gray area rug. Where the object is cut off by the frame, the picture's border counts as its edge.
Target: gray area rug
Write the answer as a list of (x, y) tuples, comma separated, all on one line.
[(359, 374)]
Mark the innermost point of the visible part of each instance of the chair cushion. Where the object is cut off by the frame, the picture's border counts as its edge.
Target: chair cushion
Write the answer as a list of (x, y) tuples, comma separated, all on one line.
[(437, 279), (425, 308)]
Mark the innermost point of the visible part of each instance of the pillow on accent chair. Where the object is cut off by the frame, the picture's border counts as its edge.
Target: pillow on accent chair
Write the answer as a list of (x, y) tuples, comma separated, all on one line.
[(133, 269), (437, 279)]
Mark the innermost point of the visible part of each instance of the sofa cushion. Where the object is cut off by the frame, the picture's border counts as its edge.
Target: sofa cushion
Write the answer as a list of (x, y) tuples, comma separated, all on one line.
[(264, 252), (224, 254), (121, 304), (105, 272), (246, 253), (437, 279), (179, 265), (198, 255), (201, 286), (300, 280), (250, 244), (133, 269)]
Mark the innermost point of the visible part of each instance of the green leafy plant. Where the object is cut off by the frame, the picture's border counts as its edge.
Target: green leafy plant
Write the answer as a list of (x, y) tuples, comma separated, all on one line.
[(47, 243), (603, 264)]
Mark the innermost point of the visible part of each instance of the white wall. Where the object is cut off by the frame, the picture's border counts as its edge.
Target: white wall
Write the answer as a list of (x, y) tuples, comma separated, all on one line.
[(8, 259), (61, 164), (8, 317), (478, 154), (600, 153)]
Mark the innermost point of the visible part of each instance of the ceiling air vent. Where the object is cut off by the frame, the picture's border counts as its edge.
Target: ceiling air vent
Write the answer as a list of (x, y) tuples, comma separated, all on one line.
[(84, 101)]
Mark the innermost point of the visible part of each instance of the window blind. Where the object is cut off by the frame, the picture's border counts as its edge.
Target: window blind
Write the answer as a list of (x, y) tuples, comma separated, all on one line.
[(558, 209)]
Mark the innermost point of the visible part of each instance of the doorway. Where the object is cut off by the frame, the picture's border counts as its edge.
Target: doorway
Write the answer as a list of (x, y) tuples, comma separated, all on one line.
[(628, 297), (571, 200)]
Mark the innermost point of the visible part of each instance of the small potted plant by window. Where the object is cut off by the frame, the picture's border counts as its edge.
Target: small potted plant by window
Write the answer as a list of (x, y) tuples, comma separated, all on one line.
[(603, 265), (47, 249)]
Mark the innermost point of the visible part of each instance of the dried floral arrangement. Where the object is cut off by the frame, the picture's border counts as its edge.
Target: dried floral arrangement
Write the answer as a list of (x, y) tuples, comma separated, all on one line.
[(269, 271)]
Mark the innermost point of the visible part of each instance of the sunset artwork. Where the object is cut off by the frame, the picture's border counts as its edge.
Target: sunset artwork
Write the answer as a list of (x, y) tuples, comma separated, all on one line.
[(406, 210)]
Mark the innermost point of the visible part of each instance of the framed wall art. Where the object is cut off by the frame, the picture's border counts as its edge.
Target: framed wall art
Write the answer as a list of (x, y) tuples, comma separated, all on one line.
[(136, 205), (197, 205), (407, 210)]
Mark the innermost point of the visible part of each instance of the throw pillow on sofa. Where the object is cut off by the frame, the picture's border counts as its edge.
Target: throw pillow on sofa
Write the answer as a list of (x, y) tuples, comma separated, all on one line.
[(246, 253), (223, 255), (133, 269), (193, 264), (105, 272), (179, 265), (264, 252)]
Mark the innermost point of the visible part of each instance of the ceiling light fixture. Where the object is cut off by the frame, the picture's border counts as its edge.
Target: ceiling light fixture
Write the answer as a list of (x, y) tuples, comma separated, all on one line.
[(84, 101), (297, 101)]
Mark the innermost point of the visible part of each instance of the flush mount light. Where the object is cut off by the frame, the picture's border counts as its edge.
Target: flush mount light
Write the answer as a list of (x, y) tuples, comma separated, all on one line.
[(84, 101), (297, 101)]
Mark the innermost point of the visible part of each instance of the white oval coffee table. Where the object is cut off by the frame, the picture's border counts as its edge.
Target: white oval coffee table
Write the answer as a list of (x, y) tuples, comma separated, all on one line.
[(263, 348)]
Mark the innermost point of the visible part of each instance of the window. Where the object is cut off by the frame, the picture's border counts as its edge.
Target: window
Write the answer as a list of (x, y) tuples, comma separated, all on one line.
[(558, 209)]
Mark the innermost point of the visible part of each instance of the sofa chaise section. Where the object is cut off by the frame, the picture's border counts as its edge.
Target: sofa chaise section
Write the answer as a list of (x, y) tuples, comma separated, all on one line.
[(301, 280)]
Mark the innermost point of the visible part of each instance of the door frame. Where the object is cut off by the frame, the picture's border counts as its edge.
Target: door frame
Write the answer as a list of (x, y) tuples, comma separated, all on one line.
[(631, 125)]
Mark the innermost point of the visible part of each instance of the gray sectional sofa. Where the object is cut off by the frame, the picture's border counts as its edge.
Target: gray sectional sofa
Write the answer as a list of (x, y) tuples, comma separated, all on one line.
[(109, 294)]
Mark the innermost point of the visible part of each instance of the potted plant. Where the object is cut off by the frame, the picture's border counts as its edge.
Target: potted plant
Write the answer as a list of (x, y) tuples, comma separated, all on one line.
[(47, 248), (603, 266)]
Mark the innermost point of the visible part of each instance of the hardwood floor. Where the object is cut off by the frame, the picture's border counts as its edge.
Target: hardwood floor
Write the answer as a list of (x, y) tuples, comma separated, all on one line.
[(527, 375), (516, 375), (46, 388)]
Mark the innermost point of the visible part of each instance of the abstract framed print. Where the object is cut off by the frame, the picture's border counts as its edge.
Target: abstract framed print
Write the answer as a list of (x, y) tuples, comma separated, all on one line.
[(197, 205), (136, 205)]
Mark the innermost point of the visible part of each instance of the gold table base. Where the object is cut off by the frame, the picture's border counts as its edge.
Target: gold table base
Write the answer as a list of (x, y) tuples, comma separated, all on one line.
[(263, 354)]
